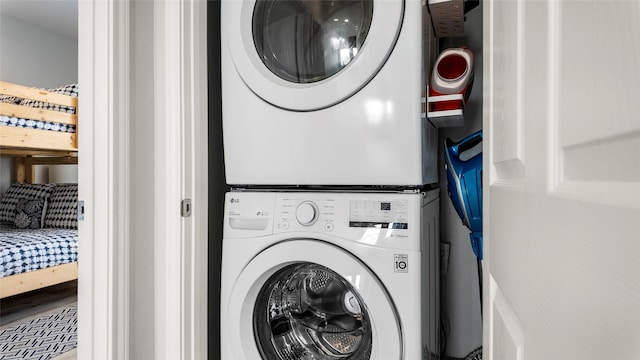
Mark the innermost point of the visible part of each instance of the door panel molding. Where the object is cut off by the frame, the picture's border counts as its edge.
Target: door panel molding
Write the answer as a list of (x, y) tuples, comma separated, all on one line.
[(507, 334), (507, 116), (594, 134)]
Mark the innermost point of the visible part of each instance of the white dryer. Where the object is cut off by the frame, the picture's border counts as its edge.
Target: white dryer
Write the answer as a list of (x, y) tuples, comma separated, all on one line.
[(326, 275), (319, 92)]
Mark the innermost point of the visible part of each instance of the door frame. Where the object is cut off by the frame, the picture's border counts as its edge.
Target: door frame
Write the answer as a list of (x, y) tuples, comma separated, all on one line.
[(180, 166), (103, 304), (181, 172)]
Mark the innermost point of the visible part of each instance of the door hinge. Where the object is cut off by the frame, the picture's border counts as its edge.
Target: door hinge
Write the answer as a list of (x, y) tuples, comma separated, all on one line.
[(186, 207), (80, 210)]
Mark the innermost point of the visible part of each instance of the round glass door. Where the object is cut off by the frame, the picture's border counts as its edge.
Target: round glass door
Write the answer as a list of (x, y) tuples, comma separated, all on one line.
[(306, 55), (307, 311), (309, 41), (308, 299)]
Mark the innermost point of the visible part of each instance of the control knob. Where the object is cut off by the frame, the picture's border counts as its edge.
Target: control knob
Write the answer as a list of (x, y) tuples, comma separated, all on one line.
[(307, 213)]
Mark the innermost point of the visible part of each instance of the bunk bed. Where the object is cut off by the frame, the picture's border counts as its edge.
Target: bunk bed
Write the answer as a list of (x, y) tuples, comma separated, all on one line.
[(38, 127), (38, 120)]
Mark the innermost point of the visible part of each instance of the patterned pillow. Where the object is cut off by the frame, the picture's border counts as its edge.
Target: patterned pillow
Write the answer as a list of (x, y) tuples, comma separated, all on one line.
[(29, 213), (17, 192), (62, 208), (9, 99), (66, 90)]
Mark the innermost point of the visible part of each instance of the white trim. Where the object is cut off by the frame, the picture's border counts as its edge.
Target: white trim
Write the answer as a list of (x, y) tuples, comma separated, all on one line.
[(120, 153), (167, 251), (102, 176), (488, 177), (180, 172), (554, 154), (195, 184)]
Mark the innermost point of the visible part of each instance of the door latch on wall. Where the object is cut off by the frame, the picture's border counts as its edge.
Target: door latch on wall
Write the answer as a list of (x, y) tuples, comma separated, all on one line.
[(186, 207), (80, 209)]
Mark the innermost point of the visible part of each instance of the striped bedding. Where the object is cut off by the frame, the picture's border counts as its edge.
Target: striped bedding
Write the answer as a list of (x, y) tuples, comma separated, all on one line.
[(71, 90), (36, 124)]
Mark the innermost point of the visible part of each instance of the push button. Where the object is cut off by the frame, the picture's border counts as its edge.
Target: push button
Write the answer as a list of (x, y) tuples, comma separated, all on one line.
[(328, 227)]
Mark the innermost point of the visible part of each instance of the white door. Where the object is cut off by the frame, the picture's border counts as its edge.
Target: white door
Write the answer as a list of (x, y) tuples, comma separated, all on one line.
[(308, 55), (562, 219)]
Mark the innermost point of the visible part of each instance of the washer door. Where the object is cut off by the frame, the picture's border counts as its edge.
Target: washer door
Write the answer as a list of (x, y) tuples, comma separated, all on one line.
[(307, 299), (310, 54)]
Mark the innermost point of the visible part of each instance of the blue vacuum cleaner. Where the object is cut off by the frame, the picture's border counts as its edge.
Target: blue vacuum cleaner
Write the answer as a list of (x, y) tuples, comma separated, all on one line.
[(463, 164)]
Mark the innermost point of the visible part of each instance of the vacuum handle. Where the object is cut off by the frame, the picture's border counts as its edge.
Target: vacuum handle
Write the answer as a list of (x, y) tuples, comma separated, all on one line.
[(464, 144)]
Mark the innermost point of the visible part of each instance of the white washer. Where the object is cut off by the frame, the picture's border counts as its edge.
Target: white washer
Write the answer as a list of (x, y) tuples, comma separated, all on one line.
[(329, 275), (320, 92)]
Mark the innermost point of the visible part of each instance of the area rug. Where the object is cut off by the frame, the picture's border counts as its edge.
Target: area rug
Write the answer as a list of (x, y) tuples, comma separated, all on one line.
[(43, 337)]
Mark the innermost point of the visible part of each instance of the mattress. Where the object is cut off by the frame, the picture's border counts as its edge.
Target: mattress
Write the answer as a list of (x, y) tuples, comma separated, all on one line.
[(35, 124), (28, 250)]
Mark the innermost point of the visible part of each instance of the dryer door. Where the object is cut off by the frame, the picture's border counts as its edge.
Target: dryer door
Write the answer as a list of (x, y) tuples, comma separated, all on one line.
[(310, 54), (307, 299)]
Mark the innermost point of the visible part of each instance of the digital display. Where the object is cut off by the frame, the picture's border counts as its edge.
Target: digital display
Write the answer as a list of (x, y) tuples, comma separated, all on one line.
[(376, 214), (378, 225)]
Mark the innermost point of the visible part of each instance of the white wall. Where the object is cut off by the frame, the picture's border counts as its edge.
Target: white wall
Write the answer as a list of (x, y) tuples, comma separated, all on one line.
[(7, 173), (34, 56)]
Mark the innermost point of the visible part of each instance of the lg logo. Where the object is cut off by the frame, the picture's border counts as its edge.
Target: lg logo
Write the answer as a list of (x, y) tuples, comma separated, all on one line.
[(234, 200)]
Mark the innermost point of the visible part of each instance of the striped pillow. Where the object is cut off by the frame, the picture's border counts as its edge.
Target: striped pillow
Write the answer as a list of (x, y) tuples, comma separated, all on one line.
[(62, 209)]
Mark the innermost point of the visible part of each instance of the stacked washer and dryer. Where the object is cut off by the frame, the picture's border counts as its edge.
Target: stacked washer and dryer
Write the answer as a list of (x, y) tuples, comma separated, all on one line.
[(331, 240)]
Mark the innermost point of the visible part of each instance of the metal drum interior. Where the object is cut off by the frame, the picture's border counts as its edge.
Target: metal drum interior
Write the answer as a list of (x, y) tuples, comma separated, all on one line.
[(307, 311)]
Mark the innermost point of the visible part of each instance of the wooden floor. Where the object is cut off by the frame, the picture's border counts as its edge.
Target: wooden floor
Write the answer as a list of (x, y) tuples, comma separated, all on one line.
[(14, 309)]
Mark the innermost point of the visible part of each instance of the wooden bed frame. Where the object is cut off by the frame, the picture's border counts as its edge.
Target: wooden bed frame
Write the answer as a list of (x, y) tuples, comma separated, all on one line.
[(30, 147), (38, 279), (32, 140)]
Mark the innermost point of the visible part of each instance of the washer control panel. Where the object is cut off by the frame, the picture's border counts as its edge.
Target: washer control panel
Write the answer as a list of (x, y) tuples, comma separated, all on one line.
[(299, 211), (381, 219), (344, 214), (381, 214)]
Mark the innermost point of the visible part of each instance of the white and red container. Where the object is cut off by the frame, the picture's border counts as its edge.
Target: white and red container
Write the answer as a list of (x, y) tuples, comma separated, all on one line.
[(452, 74)]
